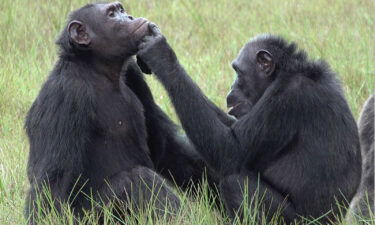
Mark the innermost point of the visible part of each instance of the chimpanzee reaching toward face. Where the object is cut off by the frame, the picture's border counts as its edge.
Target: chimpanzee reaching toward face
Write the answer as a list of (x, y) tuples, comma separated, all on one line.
[(363, 202), (295, 140), (95, 128)]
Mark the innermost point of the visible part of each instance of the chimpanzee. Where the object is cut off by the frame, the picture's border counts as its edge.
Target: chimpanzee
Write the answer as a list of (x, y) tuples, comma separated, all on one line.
[(95, 129), (363, 202), (294, 141)]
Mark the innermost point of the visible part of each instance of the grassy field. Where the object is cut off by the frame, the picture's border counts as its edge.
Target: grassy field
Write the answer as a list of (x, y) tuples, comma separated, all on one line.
[(206, 36)]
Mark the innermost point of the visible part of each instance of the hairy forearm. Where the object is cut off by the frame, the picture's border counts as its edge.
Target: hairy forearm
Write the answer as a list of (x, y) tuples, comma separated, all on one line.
[(206, 125), (197, 114)]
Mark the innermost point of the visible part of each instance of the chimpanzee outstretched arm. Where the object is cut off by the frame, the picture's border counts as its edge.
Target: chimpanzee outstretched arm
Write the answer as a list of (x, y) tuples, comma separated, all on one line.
[(173, 155), (201, 121), (57, 126), (227, 120)]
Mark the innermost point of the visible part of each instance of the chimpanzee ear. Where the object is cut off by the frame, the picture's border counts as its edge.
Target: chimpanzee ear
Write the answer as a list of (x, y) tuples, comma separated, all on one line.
[(265, 61), (143, 66), (78, 33)]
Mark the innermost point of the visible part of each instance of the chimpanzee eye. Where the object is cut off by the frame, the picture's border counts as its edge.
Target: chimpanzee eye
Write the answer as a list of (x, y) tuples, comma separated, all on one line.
[(122, 10), (111, 14)]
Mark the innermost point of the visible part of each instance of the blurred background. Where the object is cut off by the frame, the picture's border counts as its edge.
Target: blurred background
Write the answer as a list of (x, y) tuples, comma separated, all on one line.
[(206, 35)]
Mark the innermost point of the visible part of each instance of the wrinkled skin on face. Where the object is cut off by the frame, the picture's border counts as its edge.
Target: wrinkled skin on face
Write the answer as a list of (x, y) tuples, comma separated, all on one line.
[(254, 67), (107, 23)]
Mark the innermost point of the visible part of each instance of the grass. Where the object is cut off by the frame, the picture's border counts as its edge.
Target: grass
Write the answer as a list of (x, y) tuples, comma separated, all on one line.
[(206, 36)]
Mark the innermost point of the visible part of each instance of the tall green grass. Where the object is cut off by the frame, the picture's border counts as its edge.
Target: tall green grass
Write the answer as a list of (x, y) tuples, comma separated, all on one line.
[(206, 36)]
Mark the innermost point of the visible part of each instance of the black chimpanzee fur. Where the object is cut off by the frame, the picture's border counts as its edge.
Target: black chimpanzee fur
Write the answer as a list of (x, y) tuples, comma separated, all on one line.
[(295, 141), (95, 128)]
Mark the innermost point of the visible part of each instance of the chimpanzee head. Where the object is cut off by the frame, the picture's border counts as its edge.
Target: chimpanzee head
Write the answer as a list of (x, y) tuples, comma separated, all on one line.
[(254, 66), (104, 30)]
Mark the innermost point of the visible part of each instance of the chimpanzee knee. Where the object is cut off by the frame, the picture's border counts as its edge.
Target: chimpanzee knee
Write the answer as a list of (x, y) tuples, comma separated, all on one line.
[(139, 189), (241, 190)]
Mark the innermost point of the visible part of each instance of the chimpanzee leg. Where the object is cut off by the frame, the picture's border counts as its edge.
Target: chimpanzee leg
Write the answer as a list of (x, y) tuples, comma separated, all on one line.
[(140, 187), (261, 197)]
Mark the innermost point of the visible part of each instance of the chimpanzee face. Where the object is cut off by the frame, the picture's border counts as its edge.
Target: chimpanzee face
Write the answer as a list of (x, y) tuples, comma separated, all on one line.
[(253, 67), (107, 30)]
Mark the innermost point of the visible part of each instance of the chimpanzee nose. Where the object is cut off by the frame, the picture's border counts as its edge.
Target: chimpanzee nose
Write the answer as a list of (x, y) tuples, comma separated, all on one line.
[(131, 17)]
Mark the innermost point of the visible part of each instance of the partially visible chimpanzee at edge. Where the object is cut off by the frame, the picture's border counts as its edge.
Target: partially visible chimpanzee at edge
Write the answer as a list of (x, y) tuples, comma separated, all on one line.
[(295, 139), (99, 129), (363, 202)]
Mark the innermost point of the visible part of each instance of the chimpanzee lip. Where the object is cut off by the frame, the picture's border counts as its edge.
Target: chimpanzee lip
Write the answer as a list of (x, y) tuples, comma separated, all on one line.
[(145, 21), (231, 107), (230, 112)]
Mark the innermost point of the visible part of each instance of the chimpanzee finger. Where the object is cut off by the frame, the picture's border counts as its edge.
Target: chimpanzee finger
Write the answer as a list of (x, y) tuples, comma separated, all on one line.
[(154, 29)]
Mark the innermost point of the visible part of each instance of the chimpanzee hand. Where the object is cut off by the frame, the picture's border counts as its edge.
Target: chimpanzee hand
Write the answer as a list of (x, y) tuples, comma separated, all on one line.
[(143, 66), (155, 54)]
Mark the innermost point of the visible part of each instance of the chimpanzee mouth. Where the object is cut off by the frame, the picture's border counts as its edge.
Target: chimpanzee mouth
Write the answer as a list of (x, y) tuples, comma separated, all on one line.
[(233, 107), (139, 27)]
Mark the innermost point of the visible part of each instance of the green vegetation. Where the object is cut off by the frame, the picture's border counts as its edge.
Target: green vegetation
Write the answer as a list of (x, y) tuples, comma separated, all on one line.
[(206, 36)]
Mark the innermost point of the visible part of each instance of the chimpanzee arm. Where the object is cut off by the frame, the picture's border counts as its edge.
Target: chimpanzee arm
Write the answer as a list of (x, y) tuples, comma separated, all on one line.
[(227, 120), (173, 155), (271, 125), (199, 118), (222, 116), (58, 126)]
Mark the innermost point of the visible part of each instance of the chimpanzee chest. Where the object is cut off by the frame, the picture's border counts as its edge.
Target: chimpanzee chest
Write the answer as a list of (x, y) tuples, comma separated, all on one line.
[(120, 139), (121, 114)]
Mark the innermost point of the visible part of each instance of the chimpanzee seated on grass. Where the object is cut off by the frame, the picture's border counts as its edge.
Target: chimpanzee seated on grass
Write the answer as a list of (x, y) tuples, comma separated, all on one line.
[(95, 128), (295, 141)]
